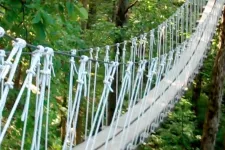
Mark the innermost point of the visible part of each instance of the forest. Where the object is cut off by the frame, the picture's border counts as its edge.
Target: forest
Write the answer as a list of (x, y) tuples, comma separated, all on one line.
[(65, 25)]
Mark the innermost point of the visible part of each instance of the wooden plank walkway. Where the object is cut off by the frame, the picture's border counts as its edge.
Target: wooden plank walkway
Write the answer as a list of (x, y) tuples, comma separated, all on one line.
[(168, 88)]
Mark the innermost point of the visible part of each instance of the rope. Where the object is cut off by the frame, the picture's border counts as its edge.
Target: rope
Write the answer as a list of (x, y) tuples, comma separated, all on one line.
[(2, 61), (76, 105), (105, 116), (88, 94), (17, 49), (102, 103), (133, 59), (30, 73), (191, 16), (94, 90), (151, 73), (124, 58), (187, 19), (169, 61), (126, 82), (182, 23), (44, 81), (117, 76), (133, 99), (151, 44), (70, 100), (27, 83)]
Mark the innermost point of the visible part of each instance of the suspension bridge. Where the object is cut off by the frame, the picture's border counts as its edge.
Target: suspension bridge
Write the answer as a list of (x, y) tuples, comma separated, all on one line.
[(148, 75)]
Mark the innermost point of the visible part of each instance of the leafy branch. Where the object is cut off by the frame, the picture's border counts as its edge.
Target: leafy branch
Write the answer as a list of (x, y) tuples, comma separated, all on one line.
[(130, 6), (6, 8)]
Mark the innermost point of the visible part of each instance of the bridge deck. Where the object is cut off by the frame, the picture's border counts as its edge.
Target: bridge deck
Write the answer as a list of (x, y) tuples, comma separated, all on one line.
[(168, 87)]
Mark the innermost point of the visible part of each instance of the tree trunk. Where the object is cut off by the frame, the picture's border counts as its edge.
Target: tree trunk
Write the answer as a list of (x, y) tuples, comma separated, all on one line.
[(114, 11), (121, 18), (121, 13), (119, 22), (92, 13), (215, 96)]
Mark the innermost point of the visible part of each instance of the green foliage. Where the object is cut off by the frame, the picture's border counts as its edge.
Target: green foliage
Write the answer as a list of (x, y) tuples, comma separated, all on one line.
[(59, 24), (177, 132), (47, 22)]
